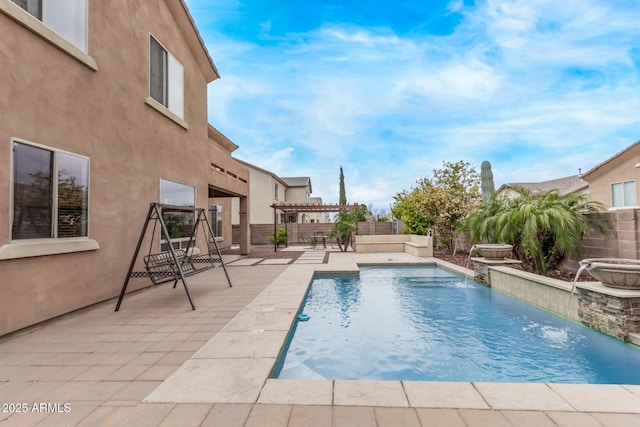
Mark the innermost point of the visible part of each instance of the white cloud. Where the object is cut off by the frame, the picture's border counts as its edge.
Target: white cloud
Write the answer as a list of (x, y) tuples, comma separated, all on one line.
[(538, 88)]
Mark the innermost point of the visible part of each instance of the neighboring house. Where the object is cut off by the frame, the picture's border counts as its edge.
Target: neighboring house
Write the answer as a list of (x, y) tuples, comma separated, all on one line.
[(298, 191), (318, 217), (103, 111), (614, 181), (267, 189), (566, 185)]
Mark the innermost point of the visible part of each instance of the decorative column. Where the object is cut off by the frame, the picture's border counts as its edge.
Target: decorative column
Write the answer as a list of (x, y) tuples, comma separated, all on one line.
[(245, 226)]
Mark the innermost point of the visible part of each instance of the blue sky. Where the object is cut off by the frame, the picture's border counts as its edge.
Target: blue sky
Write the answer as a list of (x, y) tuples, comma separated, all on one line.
[(390, 90)]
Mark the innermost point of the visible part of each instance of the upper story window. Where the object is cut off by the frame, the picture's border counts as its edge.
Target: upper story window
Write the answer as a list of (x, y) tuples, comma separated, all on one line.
[(50, 193), (166, 78), (275, 193), (623, 194), (66, 17)]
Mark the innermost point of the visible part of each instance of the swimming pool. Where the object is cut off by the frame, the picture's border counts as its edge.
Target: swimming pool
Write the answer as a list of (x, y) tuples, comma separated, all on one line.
[(428, 324)]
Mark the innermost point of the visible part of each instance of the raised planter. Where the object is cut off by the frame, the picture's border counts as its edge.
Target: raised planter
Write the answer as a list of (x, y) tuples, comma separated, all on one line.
[(492, 250), (614, 272)]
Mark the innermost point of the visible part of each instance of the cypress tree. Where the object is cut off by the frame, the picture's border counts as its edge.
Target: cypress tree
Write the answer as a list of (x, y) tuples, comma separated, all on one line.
[(343, 194)]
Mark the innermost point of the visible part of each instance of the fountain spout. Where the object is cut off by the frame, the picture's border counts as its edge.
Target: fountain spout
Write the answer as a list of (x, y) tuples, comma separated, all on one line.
[(584, 264)]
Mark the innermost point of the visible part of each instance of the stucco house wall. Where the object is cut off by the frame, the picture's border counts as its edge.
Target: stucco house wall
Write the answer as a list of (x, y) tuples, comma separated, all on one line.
[(623, 166), (96, 104), (266, 189)]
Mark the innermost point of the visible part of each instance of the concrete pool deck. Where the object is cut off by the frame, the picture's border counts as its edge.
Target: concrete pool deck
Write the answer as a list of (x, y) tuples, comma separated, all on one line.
[(157, 362)]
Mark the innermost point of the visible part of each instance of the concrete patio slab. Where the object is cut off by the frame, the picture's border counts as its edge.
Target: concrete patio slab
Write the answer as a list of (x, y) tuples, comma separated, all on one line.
[(443, 395), (369, 393), (598, 398), (396, 417), (240, 344), (251, 320), (529, 397), (298, 392), (214, 381), (440, 417), (276, 261), (245, 262)]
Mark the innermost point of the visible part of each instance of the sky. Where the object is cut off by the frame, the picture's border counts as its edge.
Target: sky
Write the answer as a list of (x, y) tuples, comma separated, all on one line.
[(391, 90)]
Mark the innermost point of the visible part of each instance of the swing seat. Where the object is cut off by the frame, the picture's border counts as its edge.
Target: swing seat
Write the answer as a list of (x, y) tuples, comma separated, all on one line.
[(174, 265), (162, 268)]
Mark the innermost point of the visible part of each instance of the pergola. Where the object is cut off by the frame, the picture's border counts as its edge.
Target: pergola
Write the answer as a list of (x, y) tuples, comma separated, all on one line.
[(288, 208)]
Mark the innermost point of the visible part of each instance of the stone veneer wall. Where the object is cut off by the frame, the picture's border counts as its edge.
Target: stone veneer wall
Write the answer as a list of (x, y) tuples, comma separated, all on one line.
[(611, 315)]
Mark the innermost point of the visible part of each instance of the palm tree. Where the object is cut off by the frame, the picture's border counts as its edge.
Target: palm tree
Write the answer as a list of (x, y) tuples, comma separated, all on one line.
[(542, 228), (346, 224)]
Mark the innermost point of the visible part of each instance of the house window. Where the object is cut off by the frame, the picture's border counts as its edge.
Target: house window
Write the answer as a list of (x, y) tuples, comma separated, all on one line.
[(623, 194), (66, 17), (50, 193), (166, 78), (275, 195), (216, 219), (179, 223)]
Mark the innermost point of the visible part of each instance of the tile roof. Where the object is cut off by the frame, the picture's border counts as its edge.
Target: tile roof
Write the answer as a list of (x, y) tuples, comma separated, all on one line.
[(566, 185)]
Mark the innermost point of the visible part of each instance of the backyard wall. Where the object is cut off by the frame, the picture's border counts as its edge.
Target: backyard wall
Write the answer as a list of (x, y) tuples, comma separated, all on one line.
[(624, 242), (299, 233)]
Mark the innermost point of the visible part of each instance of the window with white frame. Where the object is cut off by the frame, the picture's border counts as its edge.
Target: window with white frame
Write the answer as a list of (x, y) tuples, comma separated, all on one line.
[(66, 17), (623, 194), (216, 219), (166, 78), (50, 193), (179, 223)]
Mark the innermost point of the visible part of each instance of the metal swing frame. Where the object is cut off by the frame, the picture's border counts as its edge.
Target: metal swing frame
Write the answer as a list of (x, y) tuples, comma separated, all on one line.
[(175, 264)]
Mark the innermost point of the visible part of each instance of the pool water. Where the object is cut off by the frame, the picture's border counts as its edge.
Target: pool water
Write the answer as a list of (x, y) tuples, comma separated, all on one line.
[(428, 324)]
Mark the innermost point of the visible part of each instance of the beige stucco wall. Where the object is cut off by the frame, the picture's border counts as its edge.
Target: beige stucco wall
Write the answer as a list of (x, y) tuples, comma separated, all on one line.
[(262, 196), (298, 194), (50, 98), (621, 168)]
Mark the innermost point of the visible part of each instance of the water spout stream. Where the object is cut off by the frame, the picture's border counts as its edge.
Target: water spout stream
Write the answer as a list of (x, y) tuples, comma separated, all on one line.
[(583, 265), (471, 251)]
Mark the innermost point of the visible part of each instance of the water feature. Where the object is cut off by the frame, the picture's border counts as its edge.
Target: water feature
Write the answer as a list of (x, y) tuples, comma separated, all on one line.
[(493, 251), (466, 276), (582, 267), (615, 272)]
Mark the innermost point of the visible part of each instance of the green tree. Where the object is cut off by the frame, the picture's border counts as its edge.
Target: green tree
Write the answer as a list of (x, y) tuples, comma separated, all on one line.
[(343, 193), (440, 203), (346, 225), (542, 228)]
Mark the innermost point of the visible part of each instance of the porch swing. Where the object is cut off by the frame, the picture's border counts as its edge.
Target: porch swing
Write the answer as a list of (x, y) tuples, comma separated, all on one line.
[(173, 265)]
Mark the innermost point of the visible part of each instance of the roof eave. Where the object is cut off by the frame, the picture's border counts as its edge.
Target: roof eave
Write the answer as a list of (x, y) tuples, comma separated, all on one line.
[(615, 156), (185, 22)]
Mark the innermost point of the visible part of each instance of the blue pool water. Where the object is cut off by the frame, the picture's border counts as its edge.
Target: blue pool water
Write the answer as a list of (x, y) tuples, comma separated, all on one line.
[(428, 324)]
